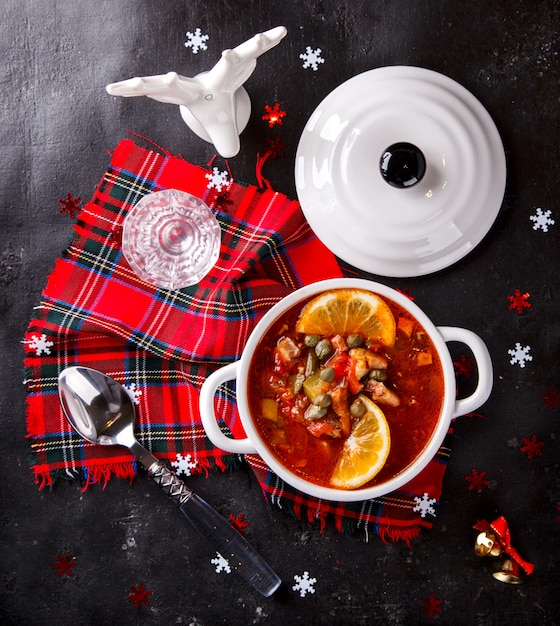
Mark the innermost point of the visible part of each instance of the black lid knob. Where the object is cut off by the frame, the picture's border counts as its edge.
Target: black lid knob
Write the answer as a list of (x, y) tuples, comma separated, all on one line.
[(402, 165)]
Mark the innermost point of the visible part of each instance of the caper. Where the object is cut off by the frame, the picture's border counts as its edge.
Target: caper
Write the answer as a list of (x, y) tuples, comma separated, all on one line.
[(311, 341), (323, 400), (354, 341), (314, 412), (378, 375), (327, 374), (323, 349), (311, 364), (357, 408)]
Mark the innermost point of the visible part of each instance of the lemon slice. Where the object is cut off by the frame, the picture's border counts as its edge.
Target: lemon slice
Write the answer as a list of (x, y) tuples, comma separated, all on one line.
[(365, 451), (348, 312)]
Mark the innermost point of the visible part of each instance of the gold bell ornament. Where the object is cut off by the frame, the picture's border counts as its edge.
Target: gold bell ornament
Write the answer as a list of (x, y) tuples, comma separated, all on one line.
[(486, 545), (494, 539), (509, 573)]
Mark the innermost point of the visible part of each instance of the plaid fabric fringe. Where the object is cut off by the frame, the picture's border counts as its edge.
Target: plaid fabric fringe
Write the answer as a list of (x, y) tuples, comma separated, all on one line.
[(162, 344)]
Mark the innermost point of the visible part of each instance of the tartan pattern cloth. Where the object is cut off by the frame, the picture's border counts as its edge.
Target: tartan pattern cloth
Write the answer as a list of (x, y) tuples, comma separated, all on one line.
[(161, 344)]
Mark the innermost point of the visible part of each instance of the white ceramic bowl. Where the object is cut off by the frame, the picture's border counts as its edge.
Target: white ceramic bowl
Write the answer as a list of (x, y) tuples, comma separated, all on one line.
[(451, 407)]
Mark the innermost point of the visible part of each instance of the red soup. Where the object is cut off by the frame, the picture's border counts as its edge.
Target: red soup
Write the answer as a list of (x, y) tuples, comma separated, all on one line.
[(302, 391)]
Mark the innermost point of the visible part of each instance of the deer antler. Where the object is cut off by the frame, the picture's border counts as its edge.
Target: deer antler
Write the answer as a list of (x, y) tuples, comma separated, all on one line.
[(170, 88)]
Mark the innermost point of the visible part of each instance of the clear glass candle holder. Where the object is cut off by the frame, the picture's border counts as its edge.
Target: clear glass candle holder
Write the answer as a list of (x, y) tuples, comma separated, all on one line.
[(171, 239)]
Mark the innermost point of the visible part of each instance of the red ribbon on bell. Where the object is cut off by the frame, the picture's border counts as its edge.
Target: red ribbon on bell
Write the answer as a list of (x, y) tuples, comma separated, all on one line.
[(501, 529)]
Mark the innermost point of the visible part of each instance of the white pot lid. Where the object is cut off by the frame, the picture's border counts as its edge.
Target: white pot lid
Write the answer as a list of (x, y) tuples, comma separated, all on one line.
[(407, 231)]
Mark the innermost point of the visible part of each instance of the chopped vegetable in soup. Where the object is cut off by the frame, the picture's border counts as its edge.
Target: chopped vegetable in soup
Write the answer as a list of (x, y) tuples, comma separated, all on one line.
[(309, 393)]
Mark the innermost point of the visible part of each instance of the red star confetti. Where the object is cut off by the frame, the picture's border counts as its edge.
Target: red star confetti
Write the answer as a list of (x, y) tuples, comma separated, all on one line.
[(70, 205), (477, 480), (139, 595), (551, 398), (64, 564), (464, 366), (431, 605), (532, 446), (273, 115), (238, 522), (275, 147), (519, 301), (221, 202)]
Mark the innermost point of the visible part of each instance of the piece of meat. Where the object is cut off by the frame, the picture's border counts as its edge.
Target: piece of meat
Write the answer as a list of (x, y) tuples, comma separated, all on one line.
[(320, 428), (364, 360), (339, 343), (381, 394), (287, 349), (341, 406)]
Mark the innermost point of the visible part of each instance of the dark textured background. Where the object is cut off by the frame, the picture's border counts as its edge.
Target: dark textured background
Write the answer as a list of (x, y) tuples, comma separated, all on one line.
[(58, 124)]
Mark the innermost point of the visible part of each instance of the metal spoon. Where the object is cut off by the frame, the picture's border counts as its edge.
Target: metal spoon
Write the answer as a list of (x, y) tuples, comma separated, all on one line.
[(101, 411)]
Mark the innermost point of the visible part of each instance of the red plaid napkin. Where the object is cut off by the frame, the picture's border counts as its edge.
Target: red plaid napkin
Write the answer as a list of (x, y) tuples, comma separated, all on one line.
[(161, 344)]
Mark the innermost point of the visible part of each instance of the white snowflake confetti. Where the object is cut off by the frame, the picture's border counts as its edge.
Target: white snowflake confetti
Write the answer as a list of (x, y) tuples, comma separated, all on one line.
[(222, 565), (133, 392), (304, 584), (217, 179), (41, 344), (311, 58), (424, 505), (196, 41), (520, 355), (184, 464), (542, 220)]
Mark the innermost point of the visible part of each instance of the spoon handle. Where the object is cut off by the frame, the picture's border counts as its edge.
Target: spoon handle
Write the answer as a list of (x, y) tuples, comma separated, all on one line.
[(218, 532)]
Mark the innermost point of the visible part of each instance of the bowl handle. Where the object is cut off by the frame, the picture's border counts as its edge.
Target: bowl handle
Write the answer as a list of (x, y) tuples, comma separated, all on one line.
[(208, 413), (483, 363)]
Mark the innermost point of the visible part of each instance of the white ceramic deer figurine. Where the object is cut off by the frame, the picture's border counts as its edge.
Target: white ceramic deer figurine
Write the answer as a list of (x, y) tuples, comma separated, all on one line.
[(214, 104)]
